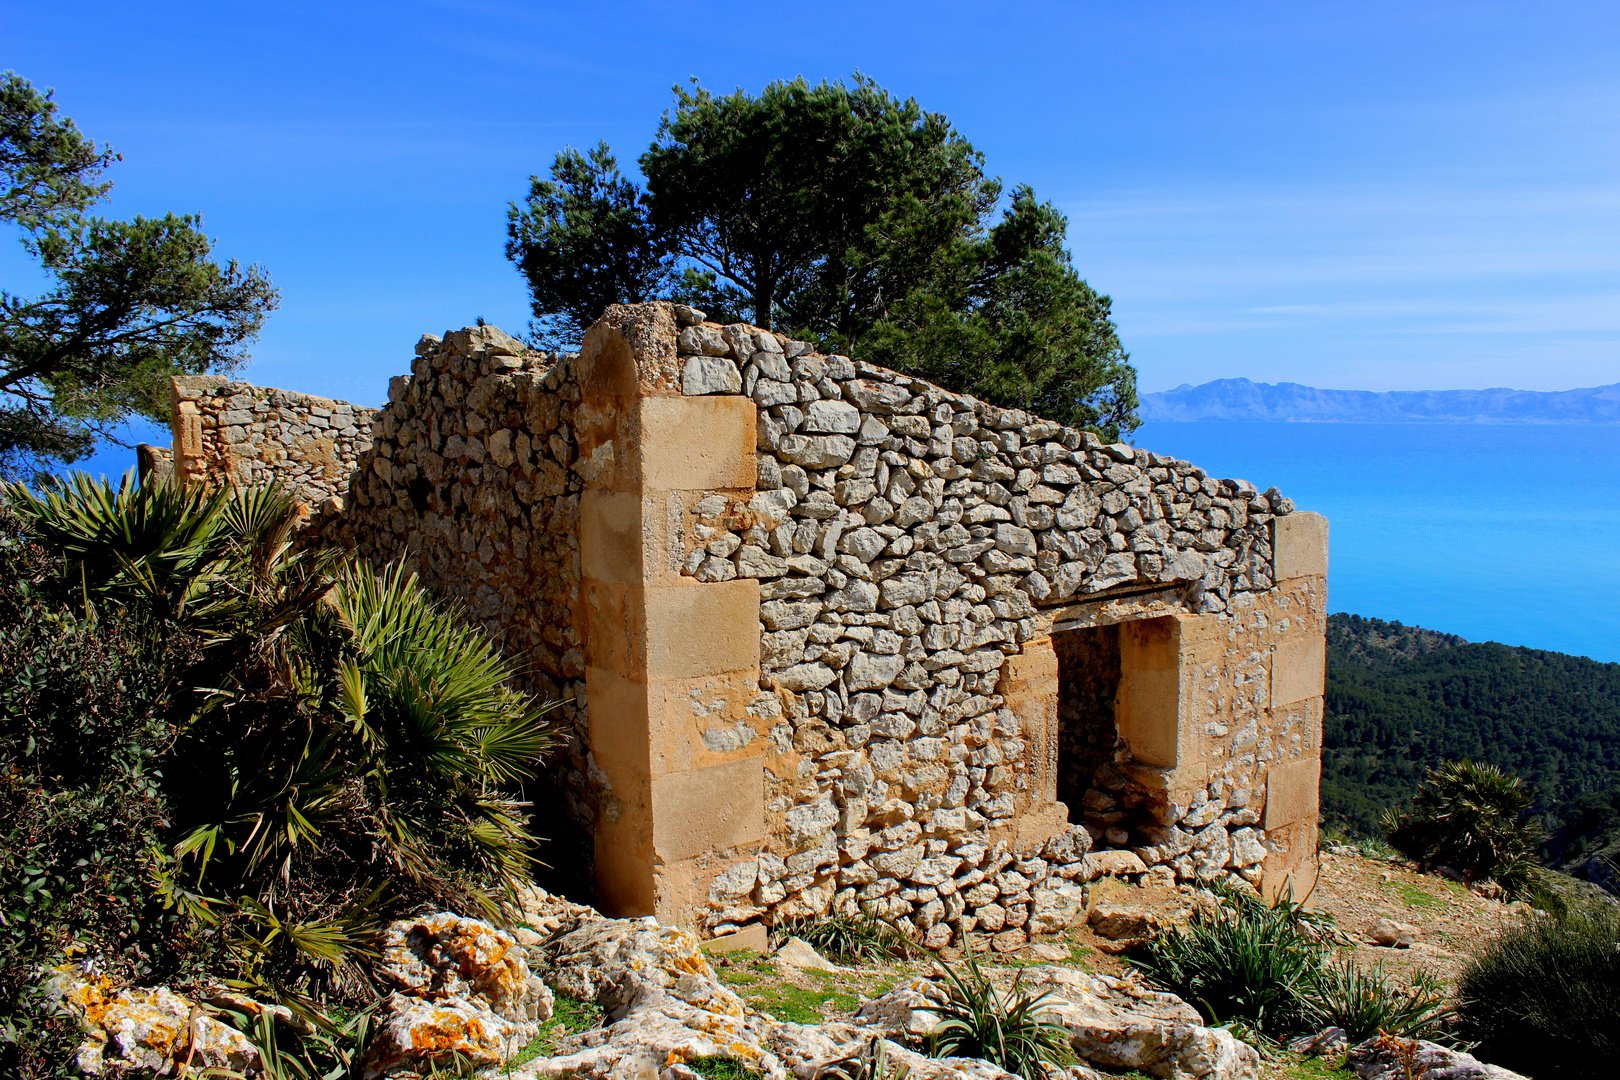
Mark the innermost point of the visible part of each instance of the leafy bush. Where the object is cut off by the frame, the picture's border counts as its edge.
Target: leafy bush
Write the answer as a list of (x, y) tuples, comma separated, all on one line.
[(1544, 996), (81, 810), (1470, 817), (1243, 961), (1008, 1030), (849, 938), (1368, 1001), (218, 750)]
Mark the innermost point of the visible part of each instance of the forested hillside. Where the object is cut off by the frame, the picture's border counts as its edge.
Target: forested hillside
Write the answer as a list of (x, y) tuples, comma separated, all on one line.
[(1400, 699)]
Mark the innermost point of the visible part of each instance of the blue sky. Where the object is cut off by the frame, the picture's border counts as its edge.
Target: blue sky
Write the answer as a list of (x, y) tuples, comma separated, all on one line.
[(1367, 195)]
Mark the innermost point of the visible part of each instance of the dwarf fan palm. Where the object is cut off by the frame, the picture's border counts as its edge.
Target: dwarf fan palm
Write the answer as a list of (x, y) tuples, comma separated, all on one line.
[(333, 725)]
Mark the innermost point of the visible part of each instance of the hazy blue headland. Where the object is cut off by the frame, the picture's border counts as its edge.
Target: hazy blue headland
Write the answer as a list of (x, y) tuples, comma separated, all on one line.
[(1241, 399)]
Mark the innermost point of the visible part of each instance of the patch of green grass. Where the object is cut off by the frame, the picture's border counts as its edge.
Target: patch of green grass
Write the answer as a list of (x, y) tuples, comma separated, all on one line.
[(1411, 895), (1301, 1067), (722, 1068), (568, 1017), (802, 1005)]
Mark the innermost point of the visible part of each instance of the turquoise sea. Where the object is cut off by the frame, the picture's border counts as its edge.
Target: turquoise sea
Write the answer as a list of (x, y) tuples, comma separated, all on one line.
[(1496, 532)]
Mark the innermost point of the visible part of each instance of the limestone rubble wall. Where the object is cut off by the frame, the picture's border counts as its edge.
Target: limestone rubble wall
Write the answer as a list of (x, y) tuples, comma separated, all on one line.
[(469, 482), (908, 541), (920, 556), (228, 432)]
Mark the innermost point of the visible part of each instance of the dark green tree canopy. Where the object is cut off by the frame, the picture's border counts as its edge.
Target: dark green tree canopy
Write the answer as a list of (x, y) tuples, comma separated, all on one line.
[(584, 241), (839, 213), (129, 302)]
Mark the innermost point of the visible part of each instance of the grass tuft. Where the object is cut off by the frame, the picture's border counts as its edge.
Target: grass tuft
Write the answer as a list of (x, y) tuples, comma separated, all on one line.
[(850, 938)]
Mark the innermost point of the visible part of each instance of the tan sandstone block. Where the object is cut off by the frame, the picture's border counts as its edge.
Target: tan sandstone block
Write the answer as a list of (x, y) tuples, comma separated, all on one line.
[(704, 721), (1298, 668), (702, 629), (1029, 683), (616, 628), (698, 443), (624, 875), (1293, 792), (754, 938), (1148, 707), (610, 536), (1039, 824), (619, 727), (1299, 546), (722, 806), (1291, 867)]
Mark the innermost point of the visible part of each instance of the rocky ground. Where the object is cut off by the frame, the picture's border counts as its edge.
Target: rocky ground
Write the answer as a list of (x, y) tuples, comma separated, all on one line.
[(570, 993)]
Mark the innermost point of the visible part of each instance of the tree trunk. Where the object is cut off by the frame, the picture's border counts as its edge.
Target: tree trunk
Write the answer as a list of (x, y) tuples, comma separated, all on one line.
[(764, 295)]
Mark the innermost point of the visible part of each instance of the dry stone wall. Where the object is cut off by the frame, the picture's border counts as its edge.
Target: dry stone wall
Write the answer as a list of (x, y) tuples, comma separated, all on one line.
[(231, 432), (470, 482), (906, 539), (926, 566)]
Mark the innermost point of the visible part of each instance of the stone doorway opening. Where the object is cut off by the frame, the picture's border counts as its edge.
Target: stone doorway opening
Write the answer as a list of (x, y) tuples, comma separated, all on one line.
[(1111, 725), (1088, 735)]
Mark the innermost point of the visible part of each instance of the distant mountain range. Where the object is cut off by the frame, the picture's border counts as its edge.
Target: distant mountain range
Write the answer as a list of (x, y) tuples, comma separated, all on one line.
[(1240, 399)]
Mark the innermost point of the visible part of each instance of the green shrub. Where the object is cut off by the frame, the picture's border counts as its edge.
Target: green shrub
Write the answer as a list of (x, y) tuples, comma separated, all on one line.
[(82, 813), (1470, 817), (1243, 961), (215, 747), (1008, 1030), (1544, 996), (1368, 1001), (849, 938)]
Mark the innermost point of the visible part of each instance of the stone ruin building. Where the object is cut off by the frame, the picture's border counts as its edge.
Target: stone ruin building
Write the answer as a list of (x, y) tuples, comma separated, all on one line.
[(830, 636)]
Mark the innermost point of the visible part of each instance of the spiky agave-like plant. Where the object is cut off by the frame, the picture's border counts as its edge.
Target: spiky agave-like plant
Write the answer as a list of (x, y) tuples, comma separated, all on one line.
[(1009, 1029)]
